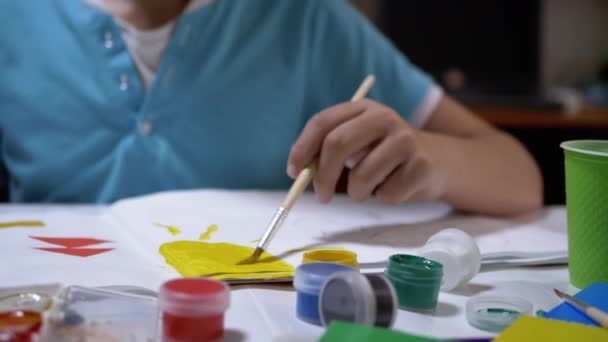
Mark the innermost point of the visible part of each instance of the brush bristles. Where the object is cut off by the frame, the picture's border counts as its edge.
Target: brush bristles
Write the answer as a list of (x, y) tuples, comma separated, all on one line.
[(257, 253), (253, 258)]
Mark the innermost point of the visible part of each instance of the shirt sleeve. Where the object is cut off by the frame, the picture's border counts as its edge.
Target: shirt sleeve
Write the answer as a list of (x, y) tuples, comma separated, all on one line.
[(346, 47)]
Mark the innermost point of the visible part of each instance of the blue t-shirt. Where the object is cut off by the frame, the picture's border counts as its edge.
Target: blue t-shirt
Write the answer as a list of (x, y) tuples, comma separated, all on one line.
[(236, 84)]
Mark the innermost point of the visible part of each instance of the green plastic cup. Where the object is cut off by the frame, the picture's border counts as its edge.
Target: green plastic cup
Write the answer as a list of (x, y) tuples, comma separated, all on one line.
[(587, 208)]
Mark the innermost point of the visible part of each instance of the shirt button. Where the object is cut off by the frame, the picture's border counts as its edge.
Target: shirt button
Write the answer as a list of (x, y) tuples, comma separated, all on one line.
[(108, 40), (124, 82), (145, 128)]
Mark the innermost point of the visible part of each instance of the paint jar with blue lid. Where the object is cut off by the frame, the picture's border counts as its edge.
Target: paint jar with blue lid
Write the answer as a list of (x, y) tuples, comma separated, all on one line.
[(308, 281), (416, 280)]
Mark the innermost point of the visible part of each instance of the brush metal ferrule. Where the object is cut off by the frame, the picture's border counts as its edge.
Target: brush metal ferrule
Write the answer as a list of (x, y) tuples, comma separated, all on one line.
[(273, 227)]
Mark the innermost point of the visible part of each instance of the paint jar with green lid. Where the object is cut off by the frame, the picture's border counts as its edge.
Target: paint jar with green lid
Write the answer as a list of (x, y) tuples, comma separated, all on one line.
[(416, 280)]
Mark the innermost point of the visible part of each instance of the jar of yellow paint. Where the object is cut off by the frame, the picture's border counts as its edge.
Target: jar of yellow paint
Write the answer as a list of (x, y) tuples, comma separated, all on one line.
[(335, 256)]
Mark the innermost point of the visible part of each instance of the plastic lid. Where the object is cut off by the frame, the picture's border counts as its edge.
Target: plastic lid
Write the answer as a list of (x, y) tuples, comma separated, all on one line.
[(347, 296), (25, 301), (310, 277), (494, 313), (354, 297), (194, 296), (121, 314), (456, 235), (141, 291), (335, 256)]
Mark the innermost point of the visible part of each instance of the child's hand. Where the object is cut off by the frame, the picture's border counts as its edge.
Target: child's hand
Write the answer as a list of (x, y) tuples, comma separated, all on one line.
[(386, 155)]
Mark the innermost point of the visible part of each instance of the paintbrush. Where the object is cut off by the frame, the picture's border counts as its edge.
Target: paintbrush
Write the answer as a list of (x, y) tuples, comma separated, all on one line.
[(299, 185), (595, 314)]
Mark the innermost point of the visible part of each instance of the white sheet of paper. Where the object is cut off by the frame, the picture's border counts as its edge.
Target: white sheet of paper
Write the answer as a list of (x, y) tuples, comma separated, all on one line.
[(25, 264)]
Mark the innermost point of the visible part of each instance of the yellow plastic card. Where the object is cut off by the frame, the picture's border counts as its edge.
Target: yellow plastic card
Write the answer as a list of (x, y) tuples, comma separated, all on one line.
[(531, 329)]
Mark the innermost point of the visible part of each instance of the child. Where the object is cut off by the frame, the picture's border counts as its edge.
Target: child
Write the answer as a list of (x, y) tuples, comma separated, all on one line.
[(103, 99)]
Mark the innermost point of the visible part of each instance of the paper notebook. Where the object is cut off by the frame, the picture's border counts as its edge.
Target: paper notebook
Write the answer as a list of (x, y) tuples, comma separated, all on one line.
[(119, 244)]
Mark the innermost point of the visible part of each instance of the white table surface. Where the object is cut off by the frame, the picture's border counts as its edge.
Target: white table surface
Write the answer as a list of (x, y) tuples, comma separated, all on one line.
[(267, 313)]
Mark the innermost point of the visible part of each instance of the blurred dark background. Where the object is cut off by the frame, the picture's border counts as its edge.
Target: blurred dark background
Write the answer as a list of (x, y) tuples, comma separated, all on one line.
[(481, 51), (535, 68)]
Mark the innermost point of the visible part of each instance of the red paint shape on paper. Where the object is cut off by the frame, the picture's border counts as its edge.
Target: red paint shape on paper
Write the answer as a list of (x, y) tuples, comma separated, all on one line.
[(70, 242), (81, 252), (72, 246)]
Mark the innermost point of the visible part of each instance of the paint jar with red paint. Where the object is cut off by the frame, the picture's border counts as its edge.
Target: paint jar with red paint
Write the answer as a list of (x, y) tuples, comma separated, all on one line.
[(19, 326), (193, 309)]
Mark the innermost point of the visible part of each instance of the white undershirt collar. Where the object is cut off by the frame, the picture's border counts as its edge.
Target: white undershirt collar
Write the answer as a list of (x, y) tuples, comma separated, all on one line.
[(147, 46)]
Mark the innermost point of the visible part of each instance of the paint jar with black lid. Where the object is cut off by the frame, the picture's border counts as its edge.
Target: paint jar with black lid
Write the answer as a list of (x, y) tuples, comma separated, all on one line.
[(368, 299)]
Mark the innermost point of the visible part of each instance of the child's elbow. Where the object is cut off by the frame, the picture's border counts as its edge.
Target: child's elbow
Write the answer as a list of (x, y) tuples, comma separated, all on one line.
[(531, 195), (533, 200)]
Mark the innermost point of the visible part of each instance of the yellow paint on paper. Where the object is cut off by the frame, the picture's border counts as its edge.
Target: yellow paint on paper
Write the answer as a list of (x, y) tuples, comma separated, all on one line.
[(220, 261), (21, 224), (255, 241), (166, 268), (171, 229), (532, 329), (207, 234)]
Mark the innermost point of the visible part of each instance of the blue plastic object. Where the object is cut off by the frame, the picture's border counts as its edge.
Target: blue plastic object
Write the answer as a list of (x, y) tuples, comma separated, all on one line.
[(595, 294), (307, 308), (308, 281)]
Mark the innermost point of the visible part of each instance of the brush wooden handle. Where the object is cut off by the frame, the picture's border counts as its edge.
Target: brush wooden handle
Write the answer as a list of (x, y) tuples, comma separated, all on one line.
[(364, 88), (299, 185), (598, 315)]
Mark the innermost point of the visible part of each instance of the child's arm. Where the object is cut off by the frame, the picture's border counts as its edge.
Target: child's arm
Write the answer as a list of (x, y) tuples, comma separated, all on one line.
[(455, 157), (417, 143), (489, 171)]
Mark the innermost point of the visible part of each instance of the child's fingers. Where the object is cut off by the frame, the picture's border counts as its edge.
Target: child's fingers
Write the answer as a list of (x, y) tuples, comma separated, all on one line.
[(309, 143), (356, 158), (341, 143), (407, 180), (371, 171)]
